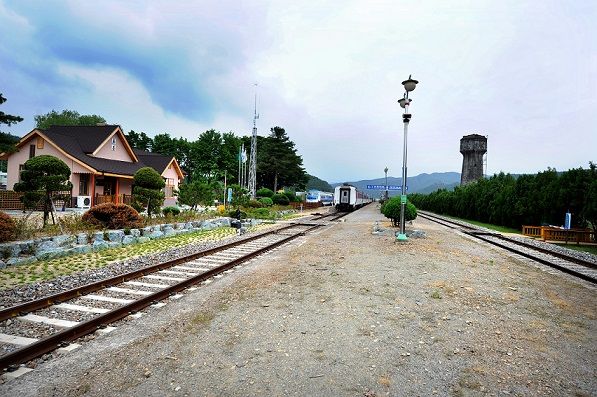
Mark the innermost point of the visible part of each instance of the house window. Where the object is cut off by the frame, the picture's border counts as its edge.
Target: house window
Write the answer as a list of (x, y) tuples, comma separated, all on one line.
[(83, 184), (31, 151), (40, 142), (113, 143)]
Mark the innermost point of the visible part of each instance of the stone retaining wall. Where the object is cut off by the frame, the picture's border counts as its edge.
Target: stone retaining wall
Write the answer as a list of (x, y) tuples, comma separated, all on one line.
[(28, 251)]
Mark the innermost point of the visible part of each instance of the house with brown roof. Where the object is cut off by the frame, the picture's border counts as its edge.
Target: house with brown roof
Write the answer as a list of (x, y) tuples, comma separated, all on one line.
[(101, 161)]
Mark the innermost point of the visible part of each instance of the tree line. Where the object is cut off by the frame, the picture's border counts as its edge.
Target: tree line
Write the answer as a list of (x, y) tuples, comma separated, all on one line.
[(208, 159), (503, 199)]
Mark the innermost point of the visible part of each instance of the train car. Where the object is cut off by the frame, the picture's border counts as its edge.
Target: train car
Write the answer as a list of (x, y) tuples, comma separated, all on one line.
[(349, 198), (316, 196)]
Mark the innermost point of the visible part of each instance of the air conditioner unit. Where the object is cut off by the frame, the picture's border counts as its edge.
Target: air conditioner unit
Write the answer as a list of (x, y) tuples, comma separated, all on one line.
[(83, 201)]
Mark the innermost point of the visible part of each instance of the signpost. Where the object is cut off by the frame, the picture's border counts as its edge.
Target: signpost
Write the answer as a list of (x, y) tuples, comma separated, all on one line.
[(383, 187)]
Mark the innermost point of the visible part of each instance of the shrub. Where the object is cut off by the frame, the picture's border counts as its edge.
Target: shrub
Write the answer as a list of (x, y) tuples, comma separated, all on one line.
[(266, 201), (391, 209), (280, 199), (113, 216), (292, 198), (170, 211), (8, 227), (147, 189), (255, 204), (233, 214), (261, 213), (264, 192)]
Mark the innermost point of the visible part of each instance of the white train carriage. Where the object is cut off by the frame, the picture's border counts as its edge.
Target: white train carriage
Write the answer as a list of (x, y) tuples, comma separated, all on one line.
[(316, 196), (349, 198)]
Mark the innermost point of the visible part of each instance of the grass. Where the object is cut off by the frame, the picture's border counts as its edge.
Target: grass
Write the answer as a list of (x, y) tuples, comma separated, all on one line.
[(502, 229), (52, 268)]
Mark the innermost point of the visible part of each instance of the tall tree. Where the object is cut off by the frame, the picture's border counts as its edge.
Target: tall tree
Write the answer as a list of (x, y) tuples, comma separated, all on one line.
[(66, 117), (278, 163), (206, 153), (139, 140), (318, 184), (8, 119)]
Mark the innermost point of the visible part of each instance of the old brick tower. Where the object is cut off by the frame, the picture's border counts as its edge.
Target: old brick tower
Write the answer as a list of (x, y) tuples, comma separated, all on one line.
[(472, 147)]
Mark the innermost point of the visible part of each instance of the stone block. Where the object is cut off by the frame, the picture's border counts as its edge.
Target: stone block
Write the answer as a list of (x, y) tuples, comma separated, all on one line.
[(8, 250), (146, 231), (49, 253), (143, 239), (156, 234), (2, 264), (22, 260), (114, 244), (99, 245), (224, 222), (47, 245), (64, 240), (27, 246), (135, 232), (82, 238), (97, 237), (127, 240), (189, 226), (81, 249), (115, 236), (169, 231)]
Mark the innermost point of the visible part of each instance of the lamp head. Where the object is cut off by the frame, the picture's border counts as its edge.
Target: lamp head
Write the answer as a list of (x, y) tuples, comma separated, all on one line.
[(410, 84), (404, 102)]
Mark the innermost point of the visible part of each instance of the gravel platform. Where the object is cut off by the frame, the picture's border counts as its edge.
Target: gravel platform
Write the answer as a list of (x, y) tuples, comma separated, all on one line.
[(347, 313)]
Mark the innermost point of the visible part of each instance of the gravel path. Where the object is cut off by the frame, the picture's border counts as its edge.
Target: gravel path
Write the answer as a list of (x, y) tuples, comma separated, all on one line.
[(348, 313)]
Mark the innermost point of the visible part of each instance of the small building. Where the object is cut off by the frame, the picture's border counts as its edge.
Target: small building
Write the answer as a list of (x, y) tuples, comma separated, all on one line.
[(101, 161), (472, 147)]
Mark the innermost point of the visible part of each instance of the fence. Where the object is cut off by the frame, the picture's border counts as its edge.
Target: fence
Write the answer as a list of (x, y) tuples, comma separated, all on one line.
[(11, 200), (548, 233), (112, 198)]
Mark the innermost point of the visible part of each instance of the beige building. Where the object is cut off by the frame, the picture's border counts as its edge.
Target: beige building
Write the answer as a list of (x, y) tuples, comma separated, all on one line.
[(101, 161)]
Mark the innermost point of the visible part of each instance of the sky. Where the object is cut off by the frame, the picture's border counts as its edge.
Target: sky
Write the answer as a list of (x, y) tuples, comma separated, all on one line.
[(522, 73)]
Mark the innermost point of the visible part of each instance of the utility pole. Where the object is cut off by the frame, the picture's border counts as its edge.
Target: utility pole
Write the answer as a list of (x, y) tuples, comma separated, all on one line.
[(253, 160)]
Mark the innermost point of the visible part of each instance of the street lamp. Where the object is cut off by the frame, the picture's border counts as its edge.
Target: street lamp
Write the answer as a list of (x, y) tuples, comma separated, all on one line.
[(409, 85), (386, 172)]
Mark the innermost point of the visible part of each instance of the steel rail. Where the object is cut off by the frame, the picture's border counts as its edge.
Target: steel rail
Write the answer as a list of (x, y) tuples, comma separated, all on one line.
[(58, 339), (525, 254), (59, 297)]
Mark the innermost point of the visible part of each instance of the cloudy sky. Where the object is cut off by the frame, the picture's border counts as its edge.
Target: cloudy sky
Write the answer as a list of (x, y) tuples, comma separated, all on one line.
[(524, 73)]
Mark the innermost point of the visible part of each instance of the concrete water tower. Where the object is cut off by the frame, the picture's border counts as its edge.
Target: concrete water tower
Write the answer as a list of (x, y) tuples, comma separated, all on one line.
[(472, 147)]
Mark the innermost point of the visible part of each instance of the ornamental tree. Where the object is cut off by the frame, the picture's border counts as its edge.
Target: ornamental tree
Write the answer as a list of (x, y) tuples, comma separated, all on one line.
[(42, 177), (147, 189), (391, 209)]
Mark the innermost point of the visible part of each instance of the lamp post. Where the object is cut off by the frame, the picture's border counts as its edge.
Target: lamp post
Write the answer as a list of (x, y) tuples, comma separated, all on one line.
[(385, 170), (409, 85)]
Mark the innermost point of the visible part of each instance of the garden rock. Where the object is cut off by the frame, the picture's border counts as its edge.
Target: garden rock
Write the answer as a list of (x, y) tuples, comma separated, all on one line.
[(27, 246), (115, 236), (99, 245), (169, 231), (156, 234), (81, 249), (9, 249), (146, 231), (49, 253), (143, 239), (127, 240), (82, 238), (2, 264), (114, 244), (47, 245), (20, 261), (64, 240), (416, 234), (135, 233), (97, 237), (189, 226)]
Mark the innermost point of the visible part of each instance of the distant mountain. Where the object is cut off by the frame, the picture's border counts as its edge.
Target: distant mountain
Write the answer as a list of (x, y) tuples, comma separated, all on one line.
[(422, 183), (318, 184)]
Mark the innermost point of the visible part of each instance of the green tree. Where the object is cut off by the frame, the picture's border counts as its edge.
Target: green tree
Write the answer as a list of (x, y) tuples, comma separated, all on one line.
[(392, 208), (139, 140), (41, 178), (314, 183), (240, 196), (195, 193), (264, 192), (66, 117), (278, 163), (7, 141), (147, 189)]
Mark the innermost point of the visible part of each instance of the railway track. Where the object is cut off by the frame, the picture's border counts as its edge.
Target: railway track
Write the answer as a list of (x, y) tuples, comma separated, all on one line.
[(332, 216), (583, 269), (59, 319)]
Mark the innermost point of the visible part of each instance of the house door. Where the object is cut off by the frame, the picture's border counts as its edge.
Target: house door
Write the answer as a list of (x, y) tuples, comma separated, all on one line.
[(109, 186)]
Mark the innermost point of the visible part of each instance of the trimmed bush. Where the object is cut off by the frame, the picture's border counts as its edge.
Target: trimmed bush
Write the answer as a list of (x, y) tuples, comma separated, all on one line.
[(264, 192), (255, 204), (8, 227), (261, 213), (147, 189), (113, 216), (292, 198), (280, 199), (170, 211), (233, 214), (391, 209), (266, 201)]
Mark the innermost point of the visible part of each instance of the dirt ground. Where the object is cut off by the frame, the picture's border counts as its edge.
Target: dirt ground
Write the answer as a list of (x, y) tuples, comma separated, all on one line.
[(345, 312)]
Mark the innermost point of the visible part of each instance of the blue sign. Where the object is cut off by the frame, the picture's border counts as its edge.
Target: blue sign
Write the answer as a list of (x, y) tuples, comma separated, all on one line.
[(383, 187), (229, 194)]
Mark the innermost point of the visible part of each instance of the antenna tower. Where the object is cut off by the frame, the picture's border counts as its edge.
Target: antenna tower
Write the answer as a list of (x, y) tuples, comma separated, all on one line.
[(253, 159)]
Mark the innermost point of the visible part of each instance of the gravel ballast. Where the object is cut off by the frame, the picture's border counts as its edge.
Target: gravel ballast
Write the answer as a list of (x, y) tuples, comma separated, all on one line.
[(344, 312)]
